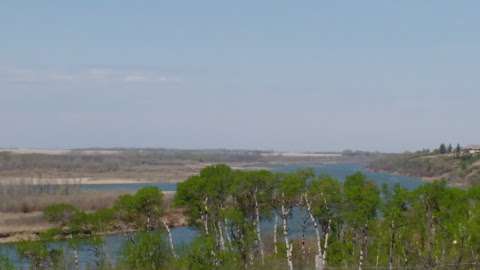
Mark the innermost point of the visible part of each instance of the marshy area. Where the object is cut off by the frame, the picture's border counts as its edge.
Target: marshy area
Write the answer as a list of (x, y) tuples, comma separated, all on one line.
[(22, 203)]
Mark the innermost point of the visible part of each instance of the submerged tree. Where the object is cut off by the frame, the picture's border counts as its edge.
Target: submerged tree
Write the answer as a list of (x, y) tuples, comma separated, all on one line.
[(40, 254)]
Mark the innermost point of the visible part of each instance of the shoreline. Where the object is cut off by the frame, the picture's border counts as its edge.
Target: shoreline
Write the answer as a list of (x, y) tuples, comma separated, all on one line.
[(175, 218)]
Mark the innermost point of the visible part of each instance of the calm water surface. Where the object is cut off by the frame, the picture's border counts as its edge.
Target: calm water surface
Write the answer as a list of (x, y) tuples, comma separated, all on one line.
[(339, 171)]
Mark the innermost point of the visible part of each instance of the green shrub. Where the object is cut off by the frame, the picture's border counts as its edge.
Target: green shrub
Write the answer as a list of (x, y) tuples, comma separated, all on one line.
[(6, 264), (60, 213), (148, 251)]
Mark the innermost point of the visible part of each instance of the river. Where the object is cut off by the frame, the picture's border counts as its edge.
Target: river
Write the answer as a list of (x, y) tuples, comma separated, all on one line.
[(183, 235)]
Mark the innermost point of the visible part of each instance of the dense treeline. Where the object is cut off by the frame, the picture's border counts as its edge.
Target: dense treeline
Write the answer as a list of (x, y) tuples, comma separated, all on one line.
[(355, 224)]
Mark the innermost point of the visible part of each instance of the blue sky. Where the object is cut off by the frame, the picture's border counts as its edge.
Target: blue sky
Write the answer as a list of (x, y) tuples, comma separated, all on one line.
[(285, 75)]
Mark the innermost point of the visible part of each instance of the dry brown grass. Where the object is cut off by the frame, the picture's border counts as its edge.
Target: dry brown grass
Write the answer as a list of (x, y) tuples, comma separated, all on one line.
[(27, 195), (87, 200), (17, 225), (21, 226), (21, 206)]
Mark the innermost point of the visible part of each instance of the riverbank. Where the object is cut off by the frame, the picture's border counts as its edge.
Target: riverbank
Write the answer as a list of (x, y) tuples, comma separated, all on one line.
[(25, 221), (457, 170), (16, 227), (98, 197)]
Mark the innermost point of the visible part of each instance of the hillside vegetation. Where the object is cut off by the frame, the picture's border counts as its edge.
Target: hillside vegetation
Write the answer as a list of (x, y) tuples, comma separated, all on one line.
[(457, 169)]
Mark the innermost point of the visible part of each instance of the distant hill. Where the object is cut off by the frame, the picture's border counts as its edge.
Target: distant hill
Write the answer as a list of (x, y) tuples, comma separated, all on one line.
[(458, 169)]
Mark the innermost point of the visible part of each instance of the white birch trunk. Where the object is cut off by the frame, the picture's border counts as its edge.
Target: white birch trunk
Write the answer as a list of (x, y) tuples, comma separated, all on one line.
[(205, 219), (360, 260), (258, 229), (275, 224), (319, 260), (75, 259), (288, 247), (325, 242), (220, 235), (170, 239), (362, 248), (227, 233)]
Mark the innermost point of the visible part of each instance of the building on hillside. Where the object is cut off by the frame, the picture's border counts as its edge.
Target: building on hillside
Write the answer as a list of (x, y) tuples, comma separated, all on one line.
[(472, 149)]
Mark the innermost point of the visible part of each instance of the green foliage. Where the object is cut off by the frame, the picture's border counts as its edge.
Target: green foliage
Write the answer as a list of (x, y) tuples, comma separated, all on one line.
[(6, 264), (39, 254), (361, 200), (60, 213), (202, 255), (326, 197), (430, 227), (191, 195), (143, 209), (148, 251)]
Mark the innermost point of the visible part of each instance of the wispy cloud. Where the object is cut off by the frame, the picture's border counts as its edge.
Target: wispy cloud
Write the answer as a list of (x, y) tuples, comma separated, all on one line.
[(18, 75)]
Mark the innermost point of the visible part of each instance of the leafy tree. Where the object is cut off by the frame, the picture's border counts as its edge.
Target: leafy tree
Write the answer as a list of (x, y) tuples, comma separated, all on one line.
[(427, 204), (204, 198), (60, 213), (395, 218), (143, 209), (287, 194), (323, 200), (442, 149), (361, 204), (192, 196), (250, 193), (147, 252), (202, 255)]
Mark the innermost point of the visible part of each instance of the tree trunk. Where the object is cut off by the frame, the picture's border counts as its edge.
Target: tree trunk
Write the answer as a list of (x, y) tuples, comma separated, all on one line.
[(257, 227), (170, 239), (205, 219), (75, 259), (392, 245), (227, 232), (319, 262), (220, 236), (149, 226), (431, 240), (325, 242), (275, 224), (288, 247), (363, 247), (458, 263)]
